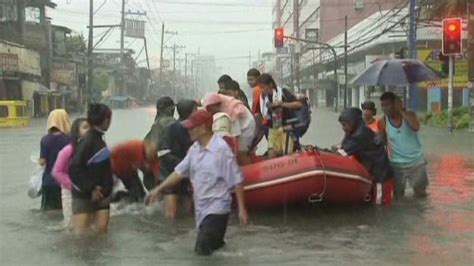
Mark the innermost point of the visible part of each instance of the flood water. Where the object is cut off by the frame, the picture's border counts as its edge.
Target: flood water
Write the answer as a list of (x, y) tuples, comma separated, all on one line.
[(436, 231)]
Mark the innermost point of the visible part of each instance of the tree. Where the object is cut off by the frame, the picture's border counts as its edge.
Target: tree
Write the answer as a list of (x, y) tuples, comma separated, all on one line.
[(439, 9), (75, 44), (101, 81)]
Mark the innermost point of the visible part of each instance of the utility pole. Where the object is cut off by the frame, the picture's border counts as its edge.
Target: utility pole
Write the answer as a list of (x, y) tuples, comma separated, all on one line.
[(470, 53), (147, 59), (413, 97), (90, 61), (186, 65), (175, 47), (296, 32), (450, 93), (250, 59), (161, 51), (345, 62), (122, 41), (278, 59)]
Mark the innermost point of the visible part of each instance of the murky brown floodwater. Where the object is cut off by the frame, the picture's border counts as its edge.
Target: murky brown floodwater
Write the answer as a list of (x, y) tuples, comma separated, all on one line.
[(435, 231)]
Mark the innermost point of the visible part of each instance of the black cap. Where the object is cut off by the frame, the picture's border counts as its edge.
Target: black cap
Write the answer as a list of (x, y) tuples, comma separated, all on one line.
[(351, 114), (368, 105), (164, 102)]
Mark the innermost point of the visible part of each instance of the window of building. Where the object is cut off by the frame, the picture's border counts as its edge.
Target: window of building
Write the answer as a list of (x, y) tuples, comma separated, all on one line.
[(8, 11), (32, 14)]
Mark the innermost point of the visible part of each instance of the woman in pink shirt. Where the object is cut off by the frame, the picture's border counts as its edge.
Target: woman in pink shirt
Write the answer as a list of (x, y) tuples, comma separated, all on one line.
[(61, 167)]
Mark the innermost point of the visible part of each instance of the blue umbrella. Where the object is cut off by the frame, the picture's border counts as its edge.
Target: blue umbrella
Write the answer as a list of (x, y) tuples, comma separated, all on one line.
[(395, 72)]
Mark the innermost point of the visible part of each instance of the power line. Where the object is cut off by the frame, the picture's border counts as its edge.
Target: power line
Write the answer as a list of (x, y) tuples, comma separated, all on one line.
[(101, 5)]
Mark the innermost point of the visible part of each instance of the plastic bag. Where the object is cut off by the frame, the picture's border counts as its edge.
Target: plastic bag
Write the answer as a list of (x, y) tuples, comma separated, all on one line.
[(35, 183)]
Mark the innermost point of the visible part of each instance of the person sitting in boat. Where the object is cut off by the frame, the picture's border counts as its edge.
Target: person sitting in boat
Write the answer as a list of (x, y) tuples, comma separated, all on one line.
[(243, 122), (369, 112), (369, 150), (276, 106)]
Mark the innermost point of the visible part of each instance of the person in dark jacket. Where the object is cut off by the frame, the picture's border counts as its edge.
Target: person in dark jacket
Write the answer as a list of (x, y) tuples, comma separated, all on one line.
[(91, 174), (164, 117), (178, 143), (58, 126), (369, 149)]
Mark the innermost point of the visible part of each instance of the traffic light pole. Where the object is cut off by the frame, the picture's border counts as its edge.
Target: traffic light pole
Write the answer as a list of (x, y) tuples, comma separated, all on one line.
[(450, 94), (333, 51)]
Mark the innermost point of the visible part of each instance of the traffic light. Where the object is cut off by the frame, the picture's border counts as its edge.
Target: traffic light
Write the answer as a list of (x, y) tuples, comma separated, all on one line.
[(278, 38), (452, 36)]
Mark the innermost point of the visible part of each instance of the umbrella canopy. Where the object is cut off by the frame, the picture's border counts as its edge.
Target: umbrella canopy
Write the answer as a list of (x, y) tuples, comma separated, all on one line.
[(395, 72)]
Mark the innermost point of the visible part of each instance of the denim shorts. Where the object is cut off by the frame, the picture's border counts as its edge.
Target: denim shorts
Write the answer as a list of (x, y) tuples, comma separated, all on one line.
[(415, 174)]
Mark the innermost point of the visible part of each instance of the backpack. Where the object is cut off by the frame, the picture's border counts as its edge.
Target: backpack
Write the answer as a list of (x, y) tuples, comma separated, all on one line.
[(304, 118)]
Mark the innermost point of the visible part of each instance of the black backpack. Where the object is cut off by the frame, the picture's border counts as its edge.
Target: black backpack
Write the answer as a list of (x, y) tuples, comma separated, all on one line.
[(304, 118)]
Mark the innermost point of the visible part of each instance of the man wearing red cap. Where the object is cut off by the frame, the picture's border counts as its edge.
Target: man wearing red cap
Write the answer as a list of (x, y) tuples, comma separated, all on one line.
[(214, 174)]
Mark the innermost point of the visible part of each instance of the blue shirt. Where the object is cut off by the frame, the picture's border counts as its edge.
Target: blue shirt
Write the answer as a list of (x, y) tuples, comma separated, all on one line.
[(50, 146), (404, 144), (214, 173)]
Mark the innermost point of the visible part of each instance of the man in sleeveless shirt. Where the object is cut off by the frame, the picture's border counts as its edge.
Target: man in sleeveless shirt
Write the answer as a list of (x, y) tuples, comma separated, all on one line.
[(400, 129)]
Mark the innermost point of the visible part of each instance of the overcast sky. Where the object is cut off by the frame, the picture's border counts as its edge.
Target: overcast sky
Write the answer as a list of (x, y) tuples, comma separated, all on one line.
[(227, 29)]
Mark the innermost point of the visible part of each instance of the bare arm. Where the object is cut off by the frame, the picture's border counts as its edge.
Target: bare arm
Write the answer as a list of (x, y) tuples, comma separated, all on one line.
[(170, 182), (411, 119), (239, 193)]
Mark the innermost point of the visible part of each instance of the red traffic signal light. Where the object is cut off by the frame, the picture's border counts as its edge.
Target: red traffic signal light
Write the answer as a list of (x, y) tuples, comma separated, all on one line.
[(279, 37), (452, 36)]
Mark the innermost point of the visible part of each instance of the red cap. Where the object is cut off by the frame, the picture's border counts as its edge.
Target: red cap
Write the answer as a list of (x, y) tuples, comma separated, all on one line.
[(198, 118)]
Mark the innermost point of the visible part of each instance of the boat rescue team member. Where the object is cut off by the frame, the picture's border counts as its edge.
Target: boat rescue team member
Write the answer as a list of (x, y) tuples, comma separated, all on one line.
[(164, 117), (370, 151), (369, 113), (243, 122), (400, 129), (61, 168), (58, 126), (253, 76), (130, 157), (91, 174), (214, 173), (276, 105), (178, 145)]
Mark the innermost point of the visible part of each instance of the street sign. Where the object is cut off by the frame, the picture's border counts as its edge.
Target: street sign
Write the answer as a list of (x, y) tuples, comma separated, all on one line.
[(312, 35), (283, 52), (135, 28), (9, 63)]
